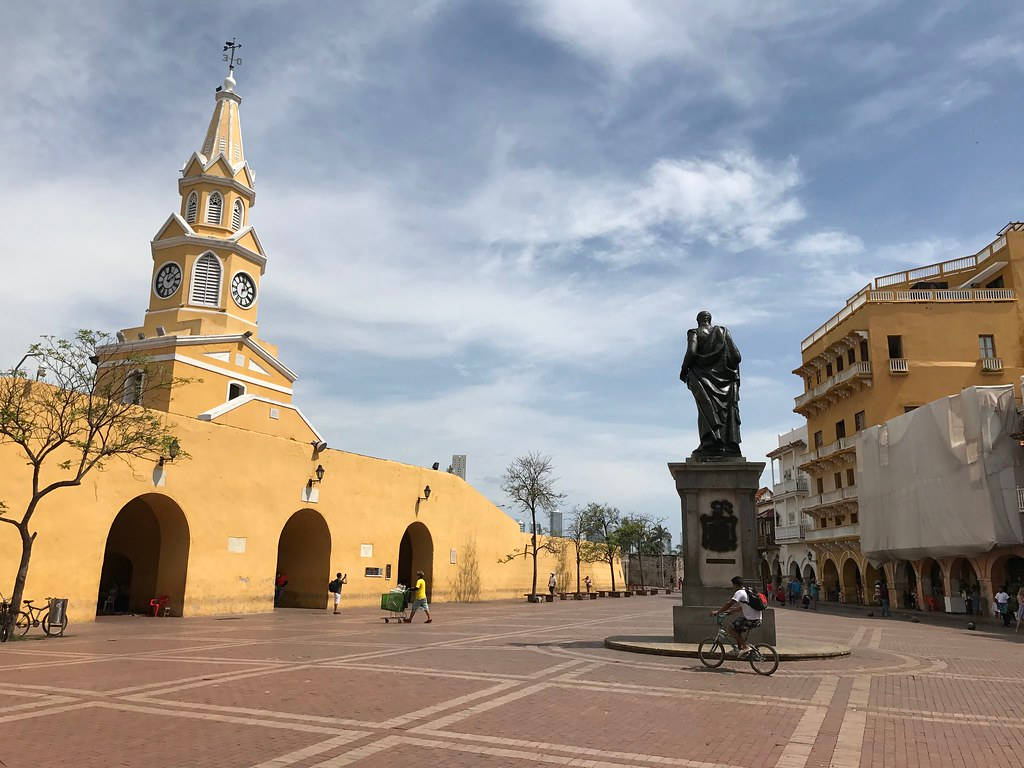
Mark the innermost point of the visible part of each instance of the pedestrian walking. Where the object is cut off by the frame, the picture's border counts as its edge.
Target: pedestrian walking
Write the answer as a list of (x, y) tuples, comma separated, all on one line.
[(780, 595), (551, 584), (883, 597), (335, 588), (419, 598), (814, 595), (1003, 605), (280, 582), (794, 591), (588, 583)]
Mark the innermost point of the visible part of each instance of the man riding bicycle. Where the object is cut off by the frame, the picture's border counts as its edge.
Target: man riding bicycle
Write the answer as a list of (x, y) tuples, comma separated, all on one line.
[(751, 618)]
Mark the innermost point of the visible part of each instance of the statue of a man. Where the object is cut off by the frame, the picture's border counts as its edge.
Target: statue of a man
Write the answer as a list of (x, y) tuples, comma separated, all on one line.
[(711, 370)]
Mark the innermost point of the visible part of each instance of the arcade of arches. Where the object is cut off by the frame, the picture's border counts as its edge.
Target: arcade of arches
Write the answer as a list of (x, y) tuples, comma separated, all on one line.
[(953, 585)]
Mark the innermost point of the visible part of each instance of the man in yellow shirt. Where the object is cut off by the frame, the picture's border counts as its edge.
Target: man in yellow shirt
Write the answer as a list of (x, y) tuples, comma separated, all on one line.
[(419, 598)]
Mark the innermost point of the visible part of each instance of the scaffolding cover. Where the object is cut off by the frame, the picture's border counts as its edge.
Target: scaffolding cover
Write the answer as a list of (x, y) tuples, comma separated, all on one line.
[(942, 479)]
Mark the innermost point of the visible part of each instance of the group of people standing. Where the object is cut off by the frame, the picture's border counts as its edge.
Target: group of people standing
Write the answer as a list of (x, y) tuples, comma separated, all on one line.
[(795, 593)]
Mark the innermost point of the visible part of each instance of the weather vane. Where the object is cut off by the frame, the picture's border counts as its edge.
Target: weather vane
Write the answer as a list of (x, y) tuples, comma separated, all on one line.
[(233, 47)]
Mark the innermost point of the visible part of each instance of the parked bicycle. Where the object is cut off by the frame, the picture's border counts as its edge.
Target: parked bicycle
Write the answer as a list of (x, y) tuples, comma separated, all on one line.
[(764, 659), (34, 616)]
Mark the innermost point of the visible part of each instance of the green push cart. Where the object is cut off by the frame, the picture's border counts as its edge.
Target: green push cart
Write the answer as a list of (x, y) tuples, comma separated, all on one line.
[(394, 603)]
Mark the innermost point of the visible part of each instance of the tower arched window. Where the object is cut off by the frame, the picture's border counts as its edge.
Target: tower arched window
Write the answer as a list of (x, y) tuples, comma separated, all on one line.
[(237, 215), (205, 285), (191, 208), (133, 388), (214, 208)]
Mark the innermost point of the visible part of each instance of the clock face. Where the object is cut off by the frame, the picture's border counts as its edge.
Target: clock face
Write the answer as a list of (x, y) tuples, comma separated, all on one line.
[(243, 290), (168, 280)]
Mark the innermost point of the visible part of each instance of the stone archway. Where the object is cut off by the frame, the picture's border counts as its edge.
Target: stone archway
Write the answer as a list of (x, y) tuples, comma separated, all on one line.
[(304, 558), (830, 580), (905, 585), (416, 553), (145, 556), (932, 588), (794, 571), (1008, 571), (809, 573), (852, 586), (964, 585)]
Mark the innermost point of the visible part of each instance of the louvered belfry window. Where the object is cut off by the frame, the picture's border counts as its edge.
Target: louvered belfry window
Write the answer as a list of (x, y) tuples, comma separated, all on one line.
[(214, 206), (206, 281), (237, 214), (191, 207)]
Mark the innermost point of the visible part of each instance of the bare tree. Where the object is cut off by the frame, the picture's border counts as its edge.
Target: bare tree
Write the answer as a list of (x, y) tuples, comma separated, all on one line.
[(528, 482), (73, 417), (602, 522)]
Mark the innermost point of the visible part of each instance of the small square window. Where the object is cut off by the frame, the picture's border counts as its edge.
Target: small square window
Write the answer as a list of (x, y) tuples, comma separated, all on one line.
[(987, 345), (859, 421), (895, 347)]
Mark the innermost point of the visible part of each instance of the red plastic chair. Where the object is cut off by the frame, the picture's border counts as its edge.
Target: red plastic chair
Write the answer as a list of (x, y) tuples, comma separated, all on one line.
[(158, 604)]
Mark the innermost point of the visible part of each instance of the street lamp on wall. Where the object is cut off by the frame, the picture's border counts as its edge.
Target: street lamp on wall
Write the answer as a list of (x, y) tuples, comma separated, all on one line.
[(319, 472), (426, 494), (173, 449)]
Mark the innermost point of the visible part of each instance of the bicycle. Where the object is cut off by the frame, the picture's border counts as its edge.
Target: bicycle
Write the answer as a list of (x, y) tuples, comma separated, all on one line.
[(764, 659), (30, 617)]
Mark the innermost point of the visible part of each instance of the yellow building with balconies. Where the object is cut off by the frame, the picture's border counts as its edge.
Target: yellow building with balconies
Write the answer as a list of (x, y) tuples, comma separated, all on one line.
[(903, 340)]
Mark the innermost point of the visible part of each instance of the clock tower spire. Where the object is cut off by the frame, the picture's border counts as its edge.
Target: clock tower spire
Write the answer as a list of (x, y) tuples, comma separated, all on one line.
[(207, 263)]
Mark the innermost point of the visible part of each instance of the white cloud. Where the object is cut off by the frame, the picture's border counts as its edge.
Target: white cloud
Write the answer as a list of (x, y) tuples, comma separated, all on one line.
[(828, 244)]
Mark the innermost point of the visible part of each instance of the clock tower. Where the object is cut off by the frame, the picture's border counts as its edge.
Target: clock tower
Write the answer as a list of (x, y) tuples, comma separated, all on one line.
[(207, 263)]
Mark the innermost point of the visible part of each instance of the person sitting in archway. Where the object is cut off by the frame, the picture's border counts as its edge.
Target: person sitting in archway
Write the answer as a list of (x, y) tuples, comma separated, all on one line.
[(419, 598), (280, 582)]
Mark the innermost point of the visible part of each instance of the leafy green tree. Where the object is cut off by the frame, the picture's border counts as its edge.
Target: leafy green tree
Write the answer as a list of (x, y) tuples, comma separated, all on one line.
[(72, 418), (529, 483), (601, 523)]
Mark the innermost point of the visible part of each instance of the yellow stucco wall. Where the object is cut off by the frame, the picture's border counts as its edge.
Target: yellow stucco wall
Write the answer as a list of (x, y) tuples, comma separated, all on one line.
[(243, 484)]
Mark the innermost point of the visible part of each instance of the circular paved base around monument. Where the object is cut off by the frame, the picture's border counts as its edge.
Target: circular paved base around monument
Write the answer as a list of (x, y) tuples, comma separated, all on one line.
[(790, 650)]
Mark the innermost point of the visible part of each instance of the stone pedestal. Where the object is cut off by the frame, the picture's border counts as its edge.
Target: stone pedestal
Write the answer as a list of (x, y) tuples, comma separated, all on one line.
[(719, 540)]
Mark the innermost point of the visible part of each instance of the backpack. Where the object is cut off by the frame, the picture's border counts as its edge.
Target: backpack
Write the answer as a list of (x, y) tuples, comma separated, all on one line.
[(334, 586), (757, 601)]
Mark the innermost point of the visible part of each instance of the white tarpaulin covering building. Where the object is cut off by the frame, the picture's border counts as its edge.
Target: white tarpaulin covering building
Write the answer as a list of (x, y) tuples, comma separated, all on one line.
[(942, 479)]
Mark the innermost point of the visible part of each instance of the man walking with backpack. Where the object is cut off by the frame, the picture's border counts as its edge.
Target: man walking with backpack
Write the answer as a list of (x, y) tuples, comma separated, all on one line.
[(751, 605), (335, 589)]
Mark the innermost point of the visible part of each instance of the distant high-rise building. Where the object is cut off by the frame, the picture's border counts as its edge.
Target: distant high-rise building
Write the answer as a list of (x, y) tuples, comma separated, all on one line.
[(522, 526), (556, 523), (459, 465)]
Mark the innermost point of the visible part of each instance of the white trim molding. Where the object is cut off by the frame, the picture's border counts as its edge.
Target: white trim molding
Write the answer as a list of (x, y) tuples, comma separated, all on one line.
[(214, 413)]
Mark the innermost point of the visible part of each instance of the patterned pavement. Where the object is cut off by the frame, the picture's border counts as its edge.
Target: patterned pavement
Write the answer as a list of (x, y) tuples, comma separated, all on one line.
[(503, 684)]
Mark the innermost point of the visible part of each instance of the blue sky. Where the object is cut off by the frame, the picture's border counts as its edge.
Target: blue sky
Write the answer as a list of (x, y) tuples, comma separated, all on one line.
[(490, 224)]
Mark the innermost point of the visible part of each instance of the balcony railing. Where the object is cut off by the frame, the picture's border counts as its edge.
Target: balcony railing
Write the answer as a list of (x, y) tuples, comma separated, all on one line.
[(793, 532), (861, 369), (790, 485), (992, 364), (899, 366), (842, 531), (867, 294), (942, 268), (831, 497)]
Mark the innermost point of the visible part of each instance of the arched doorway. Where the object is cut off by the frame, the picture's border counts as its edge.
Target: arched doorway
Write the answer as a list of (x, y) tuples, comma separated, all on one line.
[(794, 571), (963, 584), (830, 580), (853, 588), (808, 573), (1008, 572), (146, 556), (906, 585), (416, 553), (304, 559), (931, 585)]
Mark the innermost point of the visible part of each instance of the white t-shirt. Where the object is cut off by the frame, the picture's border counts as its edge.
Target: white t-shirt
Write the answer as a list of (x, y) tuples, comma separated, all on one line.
[(1002, 597), (748, 612)]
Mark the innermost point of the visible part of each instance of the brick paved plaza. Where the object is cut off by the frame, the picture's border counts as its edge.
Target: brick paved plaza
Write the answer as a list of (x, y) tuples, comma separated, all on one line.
[(503, 684)]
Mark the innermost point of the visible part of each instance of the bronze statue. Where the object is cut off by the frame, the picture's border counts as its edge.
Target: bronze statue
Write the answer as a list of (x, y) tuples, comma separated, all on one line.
[(711, 371)]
